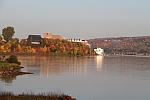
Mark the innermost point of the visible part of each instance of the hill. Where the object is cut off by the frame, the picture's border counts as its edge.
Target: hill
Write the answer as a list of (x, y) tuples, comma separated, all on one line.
[(123, 45)]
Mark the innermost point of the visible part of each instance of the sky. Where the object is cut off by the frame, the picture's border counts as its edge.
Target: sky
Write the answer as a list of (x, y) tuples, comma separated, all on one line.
[(84, 19)]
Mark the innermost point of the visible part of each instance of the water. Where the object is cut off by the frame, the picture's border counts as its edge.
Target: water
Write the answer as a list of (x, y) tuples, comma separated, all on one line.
[(85, 78)]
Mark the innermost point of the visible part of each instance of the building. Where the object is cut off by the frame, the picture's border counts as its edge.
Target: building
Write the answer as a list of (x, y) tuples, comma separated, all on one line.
[(34, 39), (79, 40), (50, 36)]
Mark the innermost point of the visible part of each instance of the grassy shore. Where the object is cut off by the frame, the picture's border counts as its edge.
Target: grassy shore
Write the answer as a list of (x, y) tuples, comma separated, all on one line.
[(31, 96), (10, 67), (6, 65)]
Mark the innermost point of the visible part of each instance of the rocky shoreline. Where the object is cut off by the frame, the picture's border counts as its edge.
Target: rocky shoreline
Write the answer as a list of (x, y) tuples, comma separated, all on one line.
[(12, 72)]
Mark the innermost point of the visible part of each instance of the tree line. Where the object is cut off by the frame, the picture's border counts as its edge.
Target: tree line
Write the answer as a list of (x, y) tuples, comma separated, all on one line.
[(46, 46)]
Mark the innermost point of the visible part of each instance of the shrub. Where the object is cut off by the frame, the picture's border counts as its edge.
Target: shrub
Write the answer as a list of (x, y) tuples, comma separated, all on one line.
[(13, 59)]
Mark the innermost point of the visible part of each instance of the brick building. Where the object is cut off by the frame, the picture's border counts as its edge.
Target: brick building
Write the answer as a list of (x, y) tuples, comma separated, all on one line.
[(51, 36)]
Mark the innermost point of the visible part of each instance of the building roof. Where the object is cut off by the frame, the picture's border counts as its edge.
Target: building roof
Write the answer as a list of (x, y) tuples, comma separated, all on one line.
[(34, 39)]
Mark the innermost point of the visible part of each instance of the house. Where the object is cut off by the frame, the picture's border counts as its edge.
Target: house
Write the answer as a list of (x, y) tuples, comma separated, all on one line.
[(34, 39)]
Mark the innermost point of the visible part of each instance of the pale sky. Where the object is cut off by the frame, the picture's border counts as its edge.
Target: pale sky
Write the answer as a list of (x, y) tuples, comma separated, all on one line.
[(85, 19)]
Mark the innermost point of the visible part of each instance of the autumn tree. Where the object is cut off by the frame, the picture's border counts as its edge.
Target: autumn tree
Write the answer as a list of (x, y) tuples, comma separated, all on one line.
[(15, 40), (8, 33)]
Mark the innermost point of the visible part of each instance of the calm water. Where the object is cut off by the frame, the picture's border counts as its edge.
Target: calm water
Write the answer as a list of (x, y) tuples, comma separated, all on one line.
[(85, 78)]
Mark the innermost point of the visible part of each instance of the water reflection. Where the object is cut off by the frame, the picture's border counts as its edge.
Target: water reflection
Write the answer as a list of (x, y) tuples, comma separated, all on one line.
[(99, 61), (8, 79), (87, 65), (8, 75), (96, 77), (47, 66)]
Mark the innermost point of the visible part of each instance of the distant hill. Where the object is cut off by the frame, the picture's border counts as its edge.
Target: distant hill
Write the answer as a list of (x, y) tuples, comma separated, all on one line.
[(123, 45)]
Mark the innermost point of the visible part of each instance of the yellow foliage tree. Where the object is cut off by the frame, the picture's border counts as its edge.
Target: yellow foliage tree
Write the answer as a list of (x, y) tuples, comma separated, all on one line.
[(8, 46), (2, 49), (33, 50)]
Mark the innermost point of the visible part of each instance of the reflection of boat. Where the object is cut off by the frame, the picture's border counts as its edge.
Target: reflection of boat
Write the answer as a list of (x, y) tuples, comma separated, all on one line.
[(99, 51), (99, 61)]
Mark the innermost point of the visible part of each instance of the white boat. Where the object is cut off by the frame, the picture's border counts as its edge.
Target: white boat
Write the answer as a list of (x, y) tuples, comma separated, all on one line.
[(99, 51)]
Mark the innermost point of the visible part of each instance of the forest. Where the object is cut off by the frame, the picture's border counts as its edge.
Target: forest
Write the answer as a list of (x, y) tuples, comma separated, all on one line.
[(47, 46), (139, 45)]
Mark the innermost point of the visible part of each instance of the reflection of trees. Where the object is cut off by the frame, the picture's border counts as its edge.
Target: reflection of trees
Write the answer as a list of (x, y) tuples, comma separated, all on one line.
[(9, 76), (31, 63), (54, 65), (60, 65), (7, 79)]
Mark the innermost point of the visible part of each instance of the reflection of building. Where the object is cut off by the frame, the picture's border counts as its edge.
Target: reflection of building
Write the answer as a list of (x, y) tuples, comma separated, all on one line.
[(99, 61)]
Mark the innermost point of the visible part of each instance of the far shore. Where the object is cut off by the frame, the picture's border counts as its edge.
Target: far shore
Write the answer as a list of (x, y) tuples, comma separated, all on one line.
[(15, 53), (34, 54), (43, 54)]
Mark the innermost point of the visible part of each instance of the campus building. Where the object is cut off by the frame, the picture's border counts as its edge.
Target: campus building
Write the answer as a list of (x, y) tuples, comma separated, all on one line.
[(51, 36)]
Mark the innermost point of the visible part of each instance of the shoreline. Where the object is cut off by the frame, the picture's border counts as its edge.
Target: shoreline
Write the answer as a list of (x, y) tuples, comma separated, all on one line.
[(43, 54), (4, 95), (15, 53), (38, 54)]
